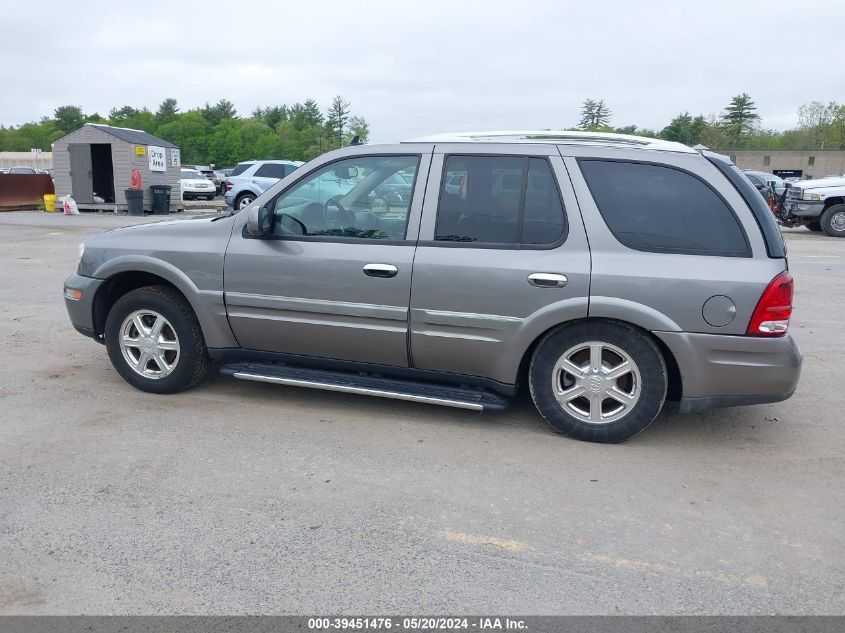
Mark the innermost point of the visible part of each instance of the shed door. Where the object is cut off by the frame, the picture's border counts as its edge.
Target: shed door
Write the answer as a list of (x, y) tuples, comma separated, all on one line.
[(81, 176)]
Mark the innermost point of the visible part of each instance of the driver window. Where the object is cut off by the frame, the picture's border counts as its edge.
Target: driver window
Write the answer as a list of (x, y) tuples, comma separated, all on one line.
[(365, 197)]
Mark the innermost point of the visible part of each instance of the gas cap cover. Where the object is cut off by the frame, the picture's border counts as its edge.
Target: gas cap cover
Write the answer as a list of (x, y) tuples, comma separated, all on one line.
[(719, 311)]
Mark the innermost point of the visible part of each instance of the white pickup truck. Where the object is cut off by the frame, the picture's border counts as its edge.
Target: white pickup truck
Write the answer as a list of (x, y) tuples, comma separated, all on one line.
[(817, 204)]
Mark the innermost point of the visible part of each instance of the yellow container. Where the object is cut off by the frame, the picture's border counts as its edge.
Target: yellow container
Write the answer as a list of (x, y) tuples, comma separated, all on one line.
[(49, 202)]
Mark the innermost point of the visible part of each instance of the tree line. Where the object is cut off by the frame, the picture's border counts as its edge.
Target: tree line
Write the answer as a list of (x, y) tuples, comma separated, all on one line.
[(213, 134), (218, 134), (820, 126)]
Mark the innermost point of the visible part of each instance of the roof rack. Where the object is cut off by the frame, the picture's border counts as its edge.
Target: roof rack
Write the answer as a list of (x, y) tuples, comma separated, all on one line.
[(557, 137)]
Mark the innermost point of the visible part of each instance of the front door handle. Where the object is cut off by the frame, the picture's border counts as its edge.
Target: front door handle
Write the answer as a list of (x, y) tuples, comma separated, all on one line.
[(547, 280), (380, 270)]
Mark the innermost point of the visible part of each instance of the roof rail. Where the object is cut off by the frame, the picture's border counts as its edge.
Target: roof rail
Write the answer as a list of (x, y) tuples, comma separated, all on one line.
[(557, 137)]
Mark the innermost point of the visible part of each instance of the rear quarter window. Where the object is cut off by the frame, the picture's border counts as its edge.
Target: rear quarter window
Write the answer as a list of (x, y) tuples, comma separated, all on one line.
[(240, 168), (660, 209)]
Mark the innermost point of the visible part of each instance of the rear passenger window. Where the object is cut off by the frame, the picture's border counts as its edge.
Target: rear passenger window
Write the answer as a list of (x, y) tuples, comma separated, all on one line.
[(271, 170), (508, 200), (656, 208)]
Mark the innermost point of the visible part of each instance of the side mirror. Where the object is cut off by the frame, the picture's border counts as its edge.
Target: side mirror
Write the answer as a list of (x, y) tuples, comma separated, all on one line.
[(259, 221), (346, 173)]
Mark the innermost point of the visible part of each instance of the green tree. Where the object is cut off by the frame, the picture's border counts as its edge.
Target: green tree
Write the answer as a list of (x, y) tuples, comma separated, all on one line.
[(190, 131), (817, 121), (223, 109), (271, 116), (739, 119), (684, 129), (594, 115), (68, 118), (359, 127), (167, 109), (336, 118), (305, 115)]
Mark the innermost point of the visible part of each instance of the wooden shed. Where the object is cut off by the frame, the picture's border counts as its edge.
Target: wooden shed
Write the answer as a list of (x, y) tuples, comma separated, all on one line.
[(97, 161)]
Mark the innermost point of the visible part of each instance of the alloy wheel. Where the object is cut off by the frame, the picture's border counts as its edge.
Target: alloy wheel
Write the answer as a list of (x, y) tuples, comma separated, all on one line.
[(149, 344), (596, 382)]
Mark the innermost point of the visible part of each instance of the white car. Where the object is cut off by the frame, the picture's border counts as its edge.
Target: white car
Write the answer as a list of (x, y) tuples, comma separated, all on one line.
[(196, 185)]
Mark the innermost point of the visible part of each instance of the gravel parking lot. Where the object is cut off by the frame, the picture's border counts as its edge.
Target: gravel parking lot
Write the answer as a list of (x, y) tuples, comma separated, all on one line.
[(246, 498)]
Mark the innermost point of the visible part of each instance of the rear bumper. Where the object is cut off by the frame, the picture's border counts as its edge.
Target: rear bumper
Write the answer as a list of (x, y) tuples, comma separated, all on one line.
[(81, 310), (727, 371)]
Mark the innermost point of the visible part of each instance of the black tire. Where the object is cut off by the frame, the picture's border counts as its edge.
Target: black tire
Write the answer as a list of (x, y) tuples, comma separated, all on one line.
[(249, 197), (833, 220), (636, 344), (209, 197), (816, 225), (193, 360)]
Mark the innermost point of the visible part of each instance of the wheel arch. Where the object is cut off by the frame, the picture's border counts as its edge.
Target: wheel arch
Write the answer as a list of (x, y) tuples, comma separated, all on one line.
[(675, 381), (124, 274)]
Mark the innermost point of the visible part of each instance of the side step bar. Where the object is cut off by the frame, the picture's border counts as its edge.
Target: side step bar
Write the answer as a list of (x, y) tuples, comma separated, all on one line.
[(473, 399)]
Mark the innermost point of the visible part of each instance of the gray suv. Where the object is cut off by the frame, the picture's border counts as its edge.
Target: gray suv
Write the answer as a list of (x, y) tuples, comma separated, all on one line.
[(606, 273)]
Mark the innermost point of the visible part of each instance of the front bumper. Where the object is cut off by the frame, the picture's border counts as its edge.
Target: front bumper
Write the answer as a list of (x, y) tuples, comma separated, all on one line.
[(726, 371), (81, 311), (804, 208)]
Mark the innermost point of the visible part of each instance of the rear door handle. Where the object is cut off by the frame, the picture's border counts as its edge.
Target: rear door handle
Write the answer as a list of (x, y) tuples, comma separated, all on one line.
[(380, 270), (547, 280)]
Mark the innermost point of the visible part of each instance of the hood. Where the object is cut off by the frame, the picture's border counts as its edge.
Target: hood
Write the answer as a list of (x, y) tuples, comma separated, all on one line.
[(820, 183)]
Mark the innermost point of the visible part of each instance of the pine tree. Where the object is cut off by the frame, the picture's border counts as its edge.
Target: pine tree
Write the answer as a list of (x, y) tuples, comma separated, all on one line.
[(739, 119)]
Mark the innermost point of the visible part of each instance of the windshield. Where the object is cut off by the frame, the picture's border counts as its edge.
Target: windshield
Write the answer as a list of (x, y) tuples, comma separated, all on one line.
[(192, 175)]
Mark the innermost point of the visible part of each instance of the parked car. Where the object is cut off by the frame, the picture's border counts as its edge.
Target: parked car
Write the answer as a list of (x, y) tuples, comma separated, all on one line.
[(196, 185), (817, 204), (763, 179), (251, 178), (214, 176), (627, 271), (22, 170)]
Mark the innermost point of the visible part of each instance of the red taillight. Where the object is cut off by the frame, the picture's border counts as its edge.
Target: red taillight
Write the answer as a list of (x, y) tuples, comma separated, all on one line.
[(228, 186), (771, 316)]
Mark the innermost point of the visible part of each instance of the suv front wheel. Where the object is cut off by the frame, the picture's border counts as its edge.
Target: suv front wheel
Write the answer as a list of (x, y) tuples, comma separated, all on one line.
[(154, 341), (598, 381)]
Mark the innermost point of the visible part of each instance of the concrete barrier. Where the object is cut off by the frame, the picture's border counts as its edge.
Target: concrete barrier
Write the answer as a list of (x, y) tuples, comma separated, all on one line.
[(24, 191)]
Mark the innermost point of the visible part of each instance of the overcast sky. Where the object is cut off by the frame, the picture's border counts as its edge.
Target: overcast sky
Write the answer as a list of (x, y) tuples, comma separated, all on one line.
[(416, 68)]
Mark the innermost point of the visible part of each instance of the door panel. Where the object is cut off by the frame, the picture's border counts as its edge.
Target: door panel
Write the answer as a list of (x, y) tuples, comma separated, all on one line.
[(313, 298), (81, 174), (474, 310), (333, 290)]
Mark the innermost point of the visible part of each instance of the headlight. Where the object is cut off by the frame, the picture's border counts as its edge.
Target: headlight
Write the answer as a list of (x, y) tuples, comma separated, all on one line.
[(81, 250), (812, 196)]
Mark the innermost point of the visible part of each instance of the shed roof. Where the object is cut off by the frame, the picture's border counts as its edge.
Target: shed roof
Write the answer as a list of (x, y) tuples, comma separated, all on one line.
[(136, 137)]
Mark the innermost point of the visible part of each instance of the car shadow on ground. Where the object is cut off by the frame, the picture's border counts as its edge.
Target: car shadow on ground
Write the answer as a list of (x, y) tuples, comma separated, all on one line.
[(727, 426)]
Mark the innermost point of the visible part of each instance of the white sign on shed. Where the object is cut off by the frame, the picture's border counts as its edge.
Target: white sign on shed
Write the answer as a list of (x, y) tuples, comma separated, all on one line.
[(158, 162), (175, 158)]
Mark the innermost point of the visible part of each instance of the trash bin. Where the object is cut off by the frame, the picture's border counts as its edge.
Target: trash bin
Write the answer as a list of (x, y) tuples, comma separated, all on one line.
[(49, 202), (161, 198), (135, 201)]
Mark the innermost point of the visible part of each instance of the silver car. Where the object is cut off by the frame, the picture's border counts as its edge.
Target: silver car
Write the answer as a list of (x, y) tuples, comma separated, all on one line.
[(607, 274), (251, 178)]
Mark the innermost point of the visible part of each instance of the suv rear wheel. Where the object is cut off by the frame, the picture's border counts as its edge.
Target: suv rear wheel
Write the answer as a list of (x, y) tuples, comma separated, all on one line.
[(154, 341), (833, 221), (598, 381), (244, 200)]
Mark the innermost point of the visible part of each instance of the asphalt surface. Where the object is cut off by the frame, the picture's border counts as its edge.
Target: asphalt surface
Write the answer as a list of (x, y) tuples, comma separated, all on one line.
[(245, 498)]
